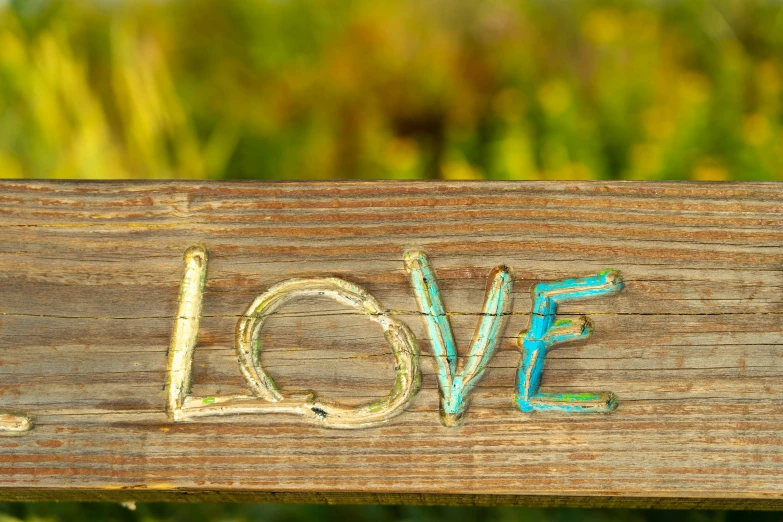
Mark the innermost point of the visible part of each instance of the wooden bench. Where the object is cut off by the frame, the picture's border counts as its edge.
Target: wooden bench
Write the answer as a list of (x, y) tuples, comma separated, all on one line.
[(614, 344)]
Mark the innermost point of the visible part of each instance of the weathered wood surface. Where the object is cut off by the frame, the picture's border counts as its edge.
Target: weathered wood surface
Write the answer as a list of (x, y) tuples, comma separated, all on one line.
[(692, 347)]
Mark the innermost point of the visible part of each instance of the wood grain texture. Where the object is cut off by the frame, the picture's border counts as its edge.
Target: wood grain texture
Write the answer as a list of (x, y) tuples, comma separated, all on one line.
[(692, 347)]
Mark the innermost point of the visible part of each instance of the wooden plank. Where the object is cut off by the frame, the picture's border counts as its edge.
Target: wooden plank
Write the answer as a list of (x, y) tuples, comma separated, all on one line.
[(691, 343)]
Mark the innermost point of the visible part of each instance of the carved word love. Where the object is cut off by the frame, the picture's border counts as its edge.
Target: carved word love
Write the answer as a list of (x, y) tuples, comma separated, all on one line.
[(455, 380)]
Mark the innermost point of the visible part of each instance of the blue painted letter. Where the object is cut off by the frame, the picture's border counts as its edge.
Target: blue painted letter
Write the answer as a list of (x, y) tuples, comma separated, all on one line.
[(455, 383), (545, 331)]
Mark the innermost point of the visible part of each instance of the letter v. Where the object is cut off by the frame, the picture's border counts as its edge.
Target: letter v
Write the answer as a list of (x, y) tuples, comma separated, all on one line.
[(456, 383)]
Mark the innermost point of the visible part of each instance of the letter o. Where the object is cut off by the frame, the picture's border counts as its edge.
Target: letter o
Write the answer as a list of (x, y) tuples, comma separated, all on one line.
[(400, 338)]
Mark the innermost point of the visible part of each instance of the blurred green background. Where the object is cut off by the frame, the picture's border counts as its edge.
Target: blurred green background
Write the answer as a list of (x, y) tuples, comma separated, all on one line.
[(363, 89), (424, 89), (293, 513)]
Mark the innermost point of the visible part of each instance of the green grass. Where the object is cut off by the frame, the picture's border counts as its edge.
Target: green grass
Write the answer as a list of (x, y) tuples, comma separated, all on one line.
[(49, 512), (330, 89)]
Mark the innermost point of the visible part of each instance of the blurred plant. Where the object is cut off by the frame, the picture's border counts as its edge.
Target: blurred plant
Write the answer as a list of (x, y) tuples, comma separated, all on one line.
[(503, 89), (54, 123), (213, 512)]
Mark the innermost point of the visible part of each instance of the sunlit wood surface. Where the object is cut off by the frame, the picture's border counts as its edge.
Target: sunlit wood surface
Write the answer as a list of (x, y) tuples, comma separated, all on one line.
[(692, 347)]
